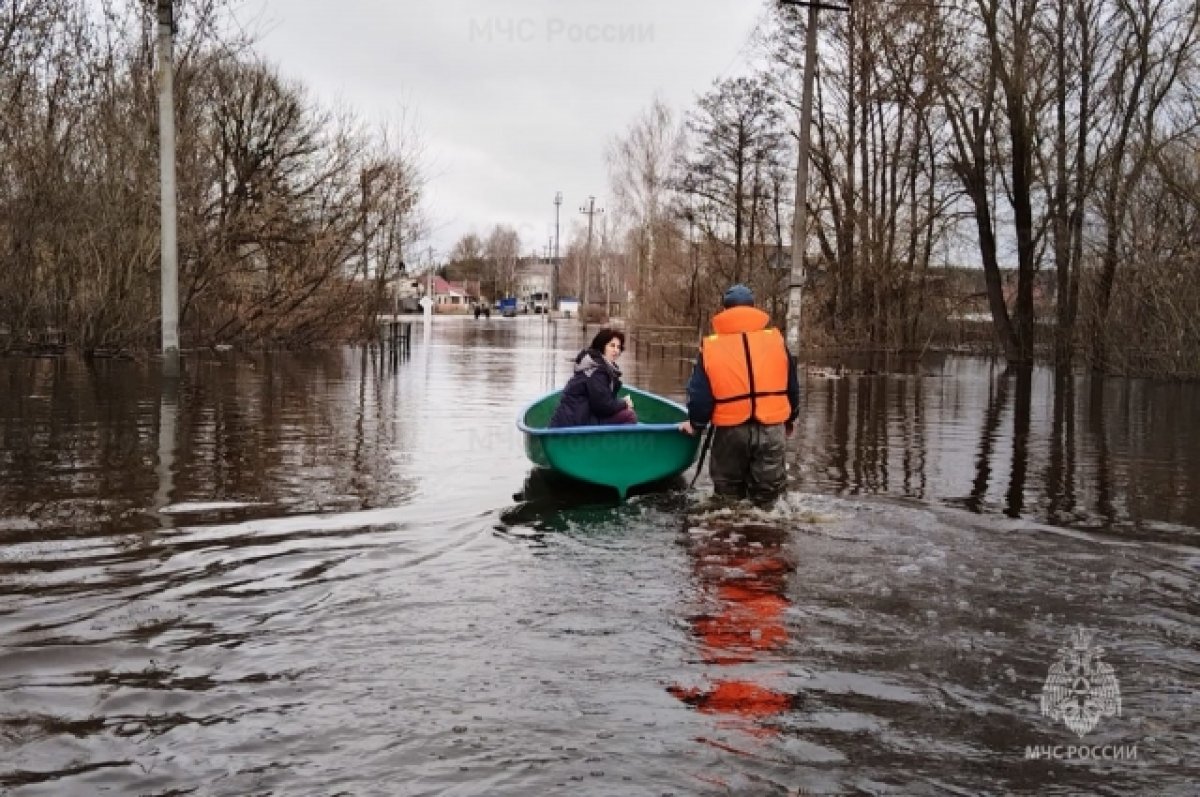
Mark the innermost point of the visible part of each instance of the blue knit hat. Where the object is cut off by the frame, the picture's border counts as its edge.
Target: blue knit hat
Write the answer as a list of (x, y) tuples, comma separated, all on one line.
[(738, 296)]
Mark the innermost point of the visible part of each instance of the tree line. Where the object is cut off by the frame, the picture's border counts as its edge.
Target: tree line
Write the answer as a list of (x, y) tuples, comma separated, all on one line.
[(292, 217), (1052, 145)]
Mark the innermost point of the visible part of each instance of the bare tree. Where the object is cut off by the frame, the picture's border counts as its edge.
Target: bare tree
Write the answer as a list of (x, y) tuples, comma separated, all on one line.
[(1157, 42), (736, 141), (467, 261), (392, 219), (639, 164), (877, 199), (503, 249), (1079, 57), (271, 209)]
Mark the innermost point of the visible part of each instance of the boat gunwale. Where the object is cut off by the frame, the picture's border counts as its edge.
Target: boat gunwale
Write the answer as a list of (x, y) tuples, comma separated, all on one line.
[(623, 428)]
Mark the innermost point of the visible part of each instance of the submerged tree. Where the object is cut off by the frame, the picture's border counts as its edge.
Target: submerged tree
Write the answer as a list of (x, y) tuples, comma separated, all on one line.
[(273, 219)]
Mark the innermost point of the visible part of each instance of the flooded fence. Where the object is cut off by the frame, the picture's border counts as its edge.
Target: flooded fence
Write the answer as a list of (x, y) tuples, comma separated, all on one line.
[(397, 333), (667, 344), (44, 341), (395, 337)]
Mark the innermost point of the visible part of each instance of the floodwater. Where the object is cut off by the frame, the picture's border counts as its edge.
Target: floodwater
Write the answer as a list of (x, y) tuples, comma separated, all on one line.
[(336, 574)]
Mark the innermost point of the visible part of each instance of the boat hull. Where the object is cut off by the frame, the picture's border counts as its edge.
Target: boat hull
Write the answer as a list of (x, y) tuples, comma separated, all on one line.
[(620, 457)]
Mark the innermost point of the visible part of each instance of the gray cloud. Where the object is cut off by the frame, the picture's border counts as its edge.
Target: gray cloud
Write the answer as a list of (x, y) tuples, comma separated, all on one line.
[(515, 99)]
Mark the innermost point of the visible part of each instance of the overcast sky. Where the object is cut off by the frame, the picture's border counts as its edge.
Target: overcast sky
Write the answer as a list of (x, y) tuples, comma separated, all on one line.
[(515, 99)]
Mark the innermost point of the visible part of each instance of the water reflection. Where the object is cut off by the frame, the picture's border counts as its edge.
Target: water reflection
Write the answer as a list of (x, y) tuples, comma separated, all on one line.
[(742, 571), (545, 501), (548, 501), (989, 439), (1097, 434), (168, 422), (89, 447), (1062, 447)]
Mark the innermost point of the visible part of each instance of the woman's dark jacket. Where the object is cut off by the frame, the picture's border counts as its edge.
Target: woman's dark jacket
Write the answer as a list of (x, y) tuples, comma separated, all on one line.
[(591, 394)]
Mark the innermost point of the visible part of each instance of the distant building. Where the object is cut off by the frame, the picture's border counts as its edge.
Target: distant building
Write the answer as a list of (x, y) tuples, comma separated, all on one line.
[(534, 282), (454, 295), (448, 297), (403, 294)]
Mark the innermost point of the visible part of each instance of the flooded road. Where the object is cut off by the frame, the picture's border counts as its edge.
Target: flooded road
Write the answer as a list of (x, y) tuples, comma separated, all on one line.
[(336, 574)]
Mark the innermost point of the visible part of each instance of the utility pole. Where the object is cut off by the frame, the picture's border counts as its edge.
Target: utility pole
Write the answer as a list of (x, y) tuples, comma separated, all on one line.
[(591, 212), (800, 221), (548, 294), (168, 244), (606, 270), (554, 262), (364, 182), (400, 269), (607, 291)]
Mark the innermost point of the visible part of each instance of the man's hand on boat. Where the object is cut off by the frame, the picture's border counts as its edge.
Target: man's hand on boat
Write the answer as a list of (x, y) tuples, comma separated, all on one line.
[(687, 428)]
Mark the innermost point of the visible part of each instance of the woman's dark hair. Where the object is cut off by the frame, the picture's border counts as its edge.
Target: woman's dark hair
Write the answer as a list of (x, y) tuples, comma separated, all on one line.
[(605, 335)]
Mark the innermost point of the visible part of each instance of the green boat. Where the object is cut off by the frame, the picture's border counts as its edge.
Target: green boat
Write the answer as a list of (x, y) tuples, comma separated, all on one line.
[(621, 456)]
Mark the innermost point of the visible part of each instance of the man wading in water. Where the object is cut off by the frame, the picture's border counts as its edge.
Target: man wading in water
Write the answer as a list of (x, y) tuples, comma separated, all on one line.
[(744, 383)]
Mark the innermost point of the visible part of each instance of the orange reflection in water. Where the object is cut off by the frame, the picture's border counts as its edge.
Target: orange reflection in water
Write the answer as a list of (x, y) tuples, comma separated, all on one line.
[(743, 569)]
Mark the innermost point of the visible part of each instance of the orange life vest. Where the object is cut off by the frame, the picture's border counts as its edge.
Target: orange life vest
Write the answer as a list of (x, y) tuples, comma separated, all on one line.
[(747, 367)]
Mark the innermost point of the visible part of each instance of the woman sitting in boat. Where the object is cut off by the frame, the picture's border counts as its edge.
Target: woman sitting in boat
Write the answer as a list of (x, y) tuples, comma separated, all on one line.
[(590, 397)]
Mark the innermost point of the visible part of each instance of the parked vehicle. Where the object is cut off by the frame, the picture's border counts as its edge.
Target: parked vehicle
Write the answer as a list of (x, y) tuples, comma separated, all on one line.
[(508, 307)]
